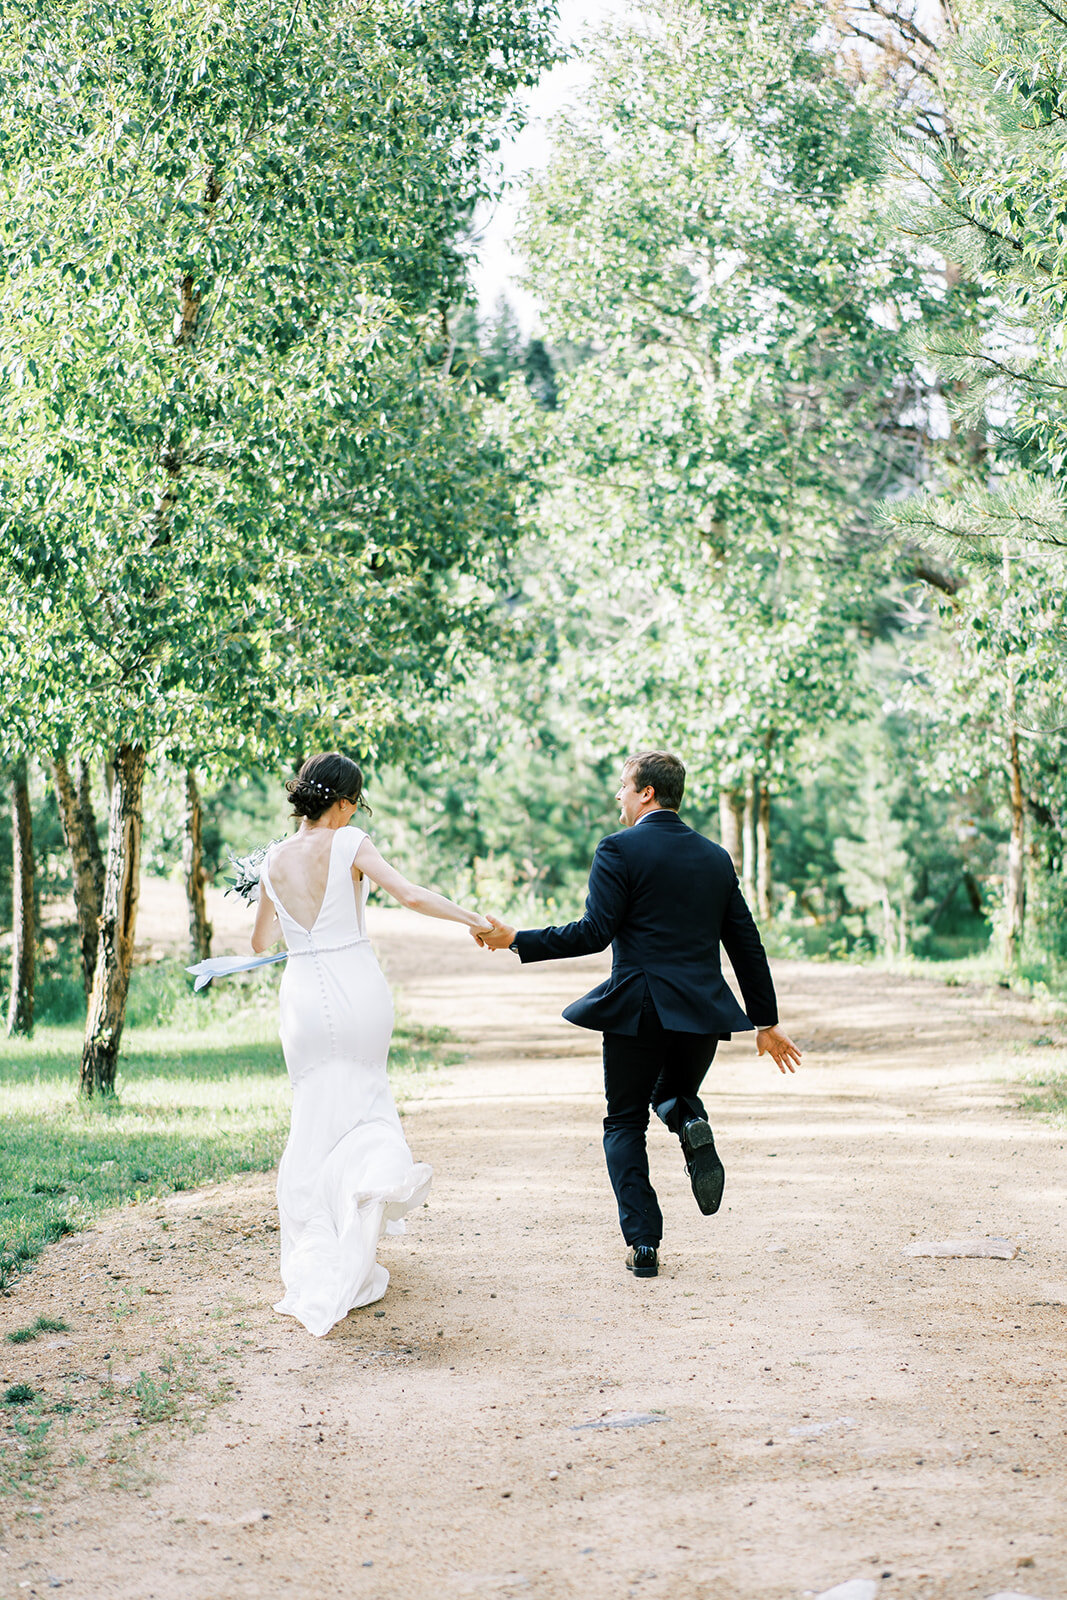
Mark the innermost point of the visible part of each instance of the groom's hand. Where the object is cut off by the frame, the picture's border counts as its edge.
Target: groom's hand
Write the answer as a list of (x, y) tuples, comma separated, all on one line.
[(779, 1046), (498, 937)]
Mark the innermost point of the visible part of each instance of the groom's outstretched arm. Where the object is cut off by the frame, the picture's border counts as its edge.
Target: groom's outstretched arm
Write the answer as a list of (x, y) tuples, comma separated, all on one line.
[(605, 903)]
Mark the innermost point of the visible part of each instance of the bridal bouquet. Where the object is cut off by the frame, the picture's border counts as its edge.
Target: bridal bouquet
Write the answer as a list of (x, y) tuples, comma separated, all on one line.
[(245, 881)]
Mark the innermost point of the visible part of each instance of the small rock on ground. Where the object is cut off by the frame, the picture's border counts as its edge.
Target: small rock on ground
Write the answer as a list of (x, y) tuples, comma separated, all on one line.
[(620, 1419), (854, 1589)]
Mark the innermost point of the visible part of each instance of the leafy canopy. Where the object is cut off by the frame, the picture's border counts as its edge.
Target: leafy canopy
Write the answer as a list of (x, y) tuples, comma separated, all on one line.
[(238, 497)]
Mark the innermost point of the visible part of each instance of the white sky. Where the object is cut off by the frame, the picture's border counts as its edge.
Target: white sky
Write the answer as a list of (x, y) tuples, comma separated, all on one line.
[(497, 268)]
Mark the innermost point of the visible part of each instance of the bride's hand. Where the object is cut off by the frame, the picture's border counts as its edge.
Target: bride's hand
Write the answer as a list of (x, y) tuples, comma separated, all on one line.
[(476, 931), (498, 936)]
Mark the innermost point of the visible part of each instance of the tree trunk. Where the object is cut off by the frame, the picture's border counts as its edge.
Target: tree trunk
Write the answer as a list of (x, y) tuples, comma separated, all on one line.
[(748, 840), (200, 929), (114, 957), (889, 938), (88, 873), (764, 894), (23, 907), (88, 816), (730, 826), (1015, 885)]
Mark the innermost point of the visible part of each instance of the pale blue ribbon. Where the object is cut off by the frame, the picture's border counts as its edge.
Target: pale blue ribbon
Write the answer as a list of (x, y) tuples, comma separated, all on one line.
[(222, 966)]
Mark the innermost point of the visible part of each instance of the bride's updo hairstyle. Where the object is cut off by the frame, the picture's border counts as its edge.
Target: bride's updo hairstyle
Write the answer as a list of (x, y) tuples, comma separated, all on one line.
[(321, 781)]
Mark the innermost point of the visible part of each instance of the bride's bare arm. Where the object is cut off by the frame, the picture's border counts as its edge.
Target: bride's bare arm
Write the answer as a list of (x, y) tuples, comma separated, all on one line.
[(412, 895), (267, 929)]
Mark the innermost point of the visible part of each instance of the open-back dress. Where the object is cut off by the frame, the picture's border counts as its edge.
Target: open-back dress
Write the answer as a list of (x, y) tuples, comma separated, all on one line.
[(347, 1175)]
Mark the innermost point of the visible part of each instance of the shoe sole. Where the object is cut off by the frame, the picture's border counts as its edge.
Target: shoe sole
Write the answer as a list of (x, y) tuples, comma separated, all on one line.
[(643, 1272), (706, 1172)]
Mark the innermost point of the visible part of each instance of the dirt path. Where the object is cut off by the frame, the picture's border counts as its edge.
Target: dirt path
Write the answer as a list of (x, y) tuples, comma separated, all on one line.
[(814, 1406)]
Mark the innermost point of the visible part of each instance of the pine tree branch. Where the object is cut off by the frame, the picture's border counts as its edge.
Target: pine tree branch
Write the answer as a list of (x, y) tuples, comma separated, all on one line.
[(1010, 516), (1051, 11), (966, 217), (997, 366)]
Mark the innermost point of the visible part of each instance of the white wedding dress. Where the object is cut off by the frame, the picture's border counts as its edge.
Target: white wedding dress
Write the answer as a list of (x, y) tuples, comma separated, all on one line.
[(347, 1175)]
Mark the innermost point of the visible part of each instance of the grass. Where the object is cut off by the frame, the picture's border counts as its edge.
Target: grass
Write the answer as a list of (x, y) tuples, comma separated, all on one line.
[(35, 1329), (970, 955), (1044, 1086), (202, 1094), (102, 1430), (1035, 980), (1047, 1086)]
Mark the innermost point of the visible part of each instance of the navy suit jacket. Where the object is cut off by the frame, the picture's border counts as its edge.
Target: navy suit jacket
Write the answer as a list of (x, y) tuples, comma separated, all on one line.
[(665, 899)]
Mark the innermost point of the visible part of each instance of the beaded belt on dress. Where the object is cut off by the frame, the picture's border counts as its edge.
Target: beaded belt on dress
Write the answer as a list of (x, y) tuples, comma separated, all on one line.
[(327, 949)]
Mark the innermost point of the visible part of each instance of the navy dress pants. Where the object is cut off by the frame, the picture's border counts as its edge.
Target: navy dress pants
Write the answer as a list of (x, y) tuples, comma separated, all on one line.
[(655, 1068)]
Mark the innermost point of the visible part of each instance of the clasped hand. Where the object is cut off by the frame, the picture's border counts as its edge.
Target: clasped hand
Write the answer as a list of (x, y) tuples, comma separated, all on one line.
[(498, 936)]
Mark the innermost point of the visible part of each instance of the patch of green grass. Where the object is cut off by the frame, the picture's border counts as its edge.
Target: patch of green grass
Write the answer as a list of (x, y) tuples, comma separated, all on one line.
[(35, 1329), (1037, 980), (157, 1398), (416, 1049), (25, 1457), (197, 1100), (1047, 1095), (103, 1425)]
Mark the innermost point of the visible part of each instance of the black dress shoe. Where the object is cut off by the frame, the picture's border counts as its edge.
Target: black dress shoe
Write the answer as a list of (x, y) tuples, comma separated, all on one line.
[(702, 1162), (642, 1261)]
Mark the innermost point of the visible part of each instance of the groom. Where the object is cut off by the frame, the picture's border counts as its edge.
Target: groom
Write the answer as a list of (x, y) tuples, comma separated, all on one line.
[(665, 899)]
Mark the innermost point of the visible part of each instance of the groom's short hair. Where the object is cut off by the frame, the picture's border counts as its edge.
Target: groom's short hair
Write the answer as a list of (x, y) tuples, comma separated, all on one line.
[(660, 771)]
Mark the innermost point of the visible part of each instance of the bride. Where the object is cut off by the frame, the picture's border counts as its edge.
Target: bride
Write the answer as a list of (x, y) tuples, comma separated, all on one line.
[(347, 1174)]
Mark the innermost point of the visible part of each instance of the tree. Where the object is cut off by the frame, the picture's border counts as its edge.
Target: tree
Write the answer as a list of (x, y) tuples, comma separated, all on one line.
[(240, 504), (706, 232), (24, 917), (985, 195), (13, 765), (200, 929), (489, 351), (876, 864), (985, 693)]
